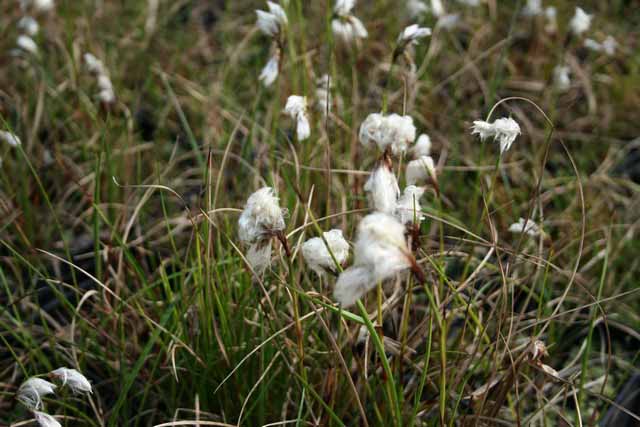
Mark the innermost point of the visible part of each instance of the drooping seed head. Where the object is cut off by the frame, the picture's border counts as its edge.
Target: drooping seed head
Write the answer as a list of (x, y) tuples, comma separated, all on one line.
[(77, 382), (316, 252), (33, 390)]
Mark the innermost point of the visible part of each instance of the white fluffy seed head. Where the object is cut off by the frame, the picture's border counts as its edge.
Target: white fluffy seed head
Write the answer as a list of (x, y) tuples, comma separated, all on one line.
[(523, 226), (261, 217), (416, 8), (43, 5), (27, 44), (609, 46), (28, 25), (532, 8), (303, 128), (382, 189), (380, 245), (77, 382), (273, 22), (448, 21), (348, 29), (550, 14), (93, 64), (295, 105), (296, 108), (409, 210), (352, 284), (267, 23), (269, 73), (399, 133), (107, 96), (421, 170), (561, 79), (437, 8), (259, 256), (45, 420), (507, 130), (394, 132), (10, 138), (371, 130), (104, 82), (581, 22), (504, 130), (317, 255), (32, 390), (592, 45), (278, 12), (343, 7), (345, 25), (412, 34), (38, 5), (422, 146)]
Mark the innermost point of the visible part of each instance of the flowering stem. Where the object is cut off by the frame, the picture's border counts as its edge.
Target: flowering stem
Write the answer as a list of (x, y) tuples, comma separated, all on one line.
[(296, 313), (379, 346), (285, 244)]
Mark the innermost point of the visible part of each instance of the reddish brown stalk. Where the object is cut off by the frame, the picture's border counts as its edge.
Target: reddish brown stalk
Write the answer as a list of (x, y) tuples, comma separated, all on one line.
[(285, 243)]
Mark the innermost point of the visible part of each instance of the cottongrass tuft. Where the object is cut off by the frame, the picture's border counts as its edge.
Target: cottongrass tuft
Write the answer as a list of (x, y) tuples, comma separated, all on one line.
[(581, 22), (608, 46), (269, 73), (260, 221), (504, 130), (259, 256), (317, 255), (380, 253), (261, 217), (296, 108), (345, 25), (551, 25), (32, 390), (448, 21), (38, 5), (106, 93), (273, 22), (393, 132), (27, 44), (28, 25), (77, 382), (412, 35), (416, 8), (437, 8), (45, 420), (422, 147), (532, 8), (561, 80), (10, 138), (409, 210), (525, 226), (382, 188), (421, 171)]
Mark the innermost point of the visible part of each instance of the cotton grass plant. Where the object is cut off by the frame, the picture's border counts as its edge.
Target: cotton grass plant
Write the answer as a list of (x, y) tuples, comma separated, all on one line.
[(287, 215)]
